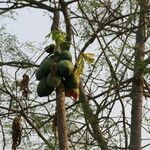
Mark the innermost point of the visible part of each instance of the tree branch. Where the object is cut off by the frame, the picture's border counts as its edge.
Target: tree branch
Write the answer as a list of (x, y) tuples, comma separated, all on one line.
[(92, 119), (67, 22), (25, 3), (18, 64)]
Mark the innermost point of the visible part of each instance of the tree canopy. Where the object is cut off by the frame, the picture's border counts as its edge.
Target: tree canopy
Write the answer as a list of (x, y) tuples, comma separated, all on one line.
[(107, 44)]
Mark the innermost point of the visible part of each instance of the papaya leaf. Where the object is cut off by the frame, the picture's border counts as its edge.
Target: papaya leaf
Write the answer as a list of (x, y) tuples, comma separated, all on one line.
[(80, 67), (88, 57), (59, 37)]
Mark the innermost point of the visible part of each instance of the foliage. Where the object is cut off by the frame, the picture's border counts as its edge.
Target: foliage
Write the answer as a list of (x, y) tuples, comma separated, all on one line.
[(58, 36), (103, 46)]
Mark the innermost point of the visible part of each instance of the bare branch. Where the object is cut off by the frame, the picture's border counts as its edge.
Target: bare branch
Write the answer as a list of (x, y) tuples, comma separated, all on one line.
[(18, 64)]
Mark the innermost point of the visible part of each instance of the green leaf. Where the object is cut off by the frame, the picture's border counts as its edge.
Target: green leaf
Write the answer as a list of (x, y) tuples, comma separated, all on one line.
[(80, 67), (59, 37), (88, 57)]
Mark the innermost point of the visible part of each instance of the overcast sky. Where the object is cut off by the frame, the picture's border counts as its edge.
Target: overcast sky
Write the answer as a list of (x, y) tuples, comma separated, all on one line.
[(30, 25)]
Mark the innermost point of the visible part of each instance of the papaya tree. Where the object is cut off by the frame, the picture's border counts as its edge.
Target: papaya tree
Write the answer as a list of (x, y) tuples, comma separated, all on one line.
[(88, 88)]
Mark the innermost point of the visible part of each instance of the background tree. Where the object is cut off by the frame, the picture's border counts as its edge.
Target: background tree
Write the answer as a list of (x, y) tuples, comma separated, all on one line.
[(117, 83)]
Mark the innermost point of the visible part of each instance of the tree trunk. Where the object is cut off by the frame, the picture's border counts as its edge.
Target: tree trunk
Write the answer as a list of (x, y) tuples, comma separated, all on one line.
[(60, 97), (137, 87), (61, 119)]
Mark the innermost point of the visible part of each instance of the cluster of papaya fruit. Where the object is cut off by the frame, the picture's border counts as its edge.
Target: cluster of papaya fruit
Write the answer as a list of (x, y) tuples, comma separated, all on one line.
[(57, 68)]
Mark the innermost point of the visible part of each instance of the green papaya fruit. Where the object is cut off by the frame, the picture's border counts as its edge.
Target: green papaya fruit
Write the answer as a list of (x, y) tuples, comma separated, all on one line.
[(43, 89), (53, 81), (66, 55), (57, 52), (64, 68), (47, 63), (39, 74), (65, 45), (71, 82), (50, 49), (45, 68)]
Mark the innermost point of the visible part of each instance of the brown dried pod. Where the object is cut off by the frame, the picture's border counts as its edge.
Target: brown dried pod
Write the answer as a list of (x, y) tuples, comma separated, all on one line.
[(24, 82), (16, 132), (24, 85)]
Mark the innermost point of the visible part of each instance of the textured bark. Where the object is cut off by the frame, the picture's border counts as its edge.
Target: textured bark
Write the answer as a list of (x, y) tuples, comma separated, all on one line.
[(55, 24), (67, 22), (92, 119), (61, 119), (60, 101), (137, 87)]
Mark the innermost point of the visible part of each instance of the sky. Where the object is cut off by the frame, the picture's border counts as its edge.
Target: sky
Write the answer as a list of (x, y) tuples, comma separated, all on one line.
[(30, 25)]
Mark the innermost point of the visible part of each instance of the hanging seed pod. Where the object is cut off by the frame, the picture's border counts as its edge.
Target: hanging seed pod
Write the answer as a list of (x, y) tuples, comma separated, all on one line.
[(16, 132)]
